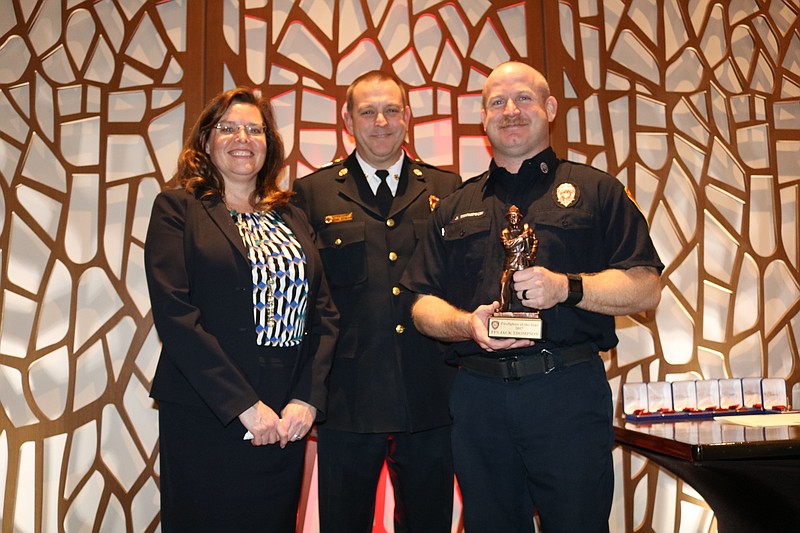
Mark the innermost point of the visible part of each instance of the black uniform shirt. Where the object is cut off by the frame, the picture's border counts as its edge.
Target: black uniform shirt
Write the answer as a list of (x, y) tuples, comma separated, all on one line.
[(584, 220)]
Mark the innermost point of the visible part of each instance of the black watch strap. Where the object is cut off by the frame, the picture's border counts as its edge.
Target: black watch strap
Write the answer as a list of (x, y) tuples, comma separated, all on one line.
[(575, 294)]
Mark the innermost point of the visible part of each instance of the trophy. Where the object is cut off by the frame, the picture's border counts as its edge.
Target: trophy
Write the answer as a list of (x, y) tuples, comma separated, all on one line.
[(520, 243)]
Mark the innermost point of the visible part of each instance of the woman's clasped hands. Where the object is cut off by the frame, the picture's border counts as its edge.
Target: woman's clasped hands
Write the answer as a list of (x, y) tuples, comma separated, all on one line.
[(265, 427)]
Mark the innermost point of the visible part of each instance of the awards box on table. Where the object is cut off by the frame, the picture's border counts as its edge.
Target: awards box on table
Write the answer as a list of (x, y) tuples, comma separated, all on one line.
[(663, 401)]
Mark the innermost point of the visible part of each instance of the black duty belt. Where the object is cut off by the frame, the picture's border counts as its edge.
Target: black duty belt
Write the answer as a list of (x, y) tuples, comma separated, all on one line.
[(519, 366)]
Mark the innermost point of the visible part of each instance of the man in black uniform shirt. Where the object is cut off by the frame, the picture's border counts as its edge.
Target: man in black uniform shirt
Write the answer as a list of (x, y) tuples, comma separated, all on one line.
[(532, 421), (389, 385)]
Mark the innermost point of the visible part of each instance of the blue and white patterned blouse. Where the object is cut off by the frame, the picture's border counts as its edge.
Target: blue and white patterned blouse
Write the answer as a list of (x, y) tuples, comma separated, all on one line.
[(280, 284)]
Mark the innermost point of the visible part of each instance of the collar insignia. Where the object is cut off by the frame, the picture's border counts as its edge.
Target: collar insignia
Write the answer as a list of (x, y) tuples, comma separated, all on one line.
[(566, 194), (342, 172), (433, 201), (417, 172)]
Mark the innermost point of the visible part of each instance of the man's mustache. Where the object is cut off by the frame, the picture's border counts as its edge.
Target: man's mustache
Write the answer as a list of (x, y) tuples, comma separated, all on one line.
[(514, 122)]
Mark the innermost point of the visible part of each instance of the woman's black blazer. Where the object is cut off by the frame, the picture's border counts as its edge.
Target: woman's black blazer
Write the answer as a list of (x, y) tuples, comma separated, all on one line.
[(200, 284)]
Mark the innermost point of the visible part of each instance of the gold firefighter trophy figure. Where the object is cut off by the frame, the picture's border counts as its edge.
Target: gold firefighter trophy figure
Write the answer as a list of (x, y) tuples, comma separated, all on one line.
[(520, 244)]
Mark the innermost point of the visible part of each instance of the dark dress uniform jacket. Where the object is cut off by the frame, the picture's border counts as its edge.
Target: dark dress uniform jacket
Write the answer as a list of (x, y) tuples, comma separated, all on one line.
[(200, 284), (386, 376)]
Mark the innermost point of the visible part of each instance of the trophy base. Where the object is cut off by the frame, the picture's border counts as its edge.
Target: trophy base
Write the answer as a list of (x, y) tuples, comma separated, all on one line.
[(513, 325)]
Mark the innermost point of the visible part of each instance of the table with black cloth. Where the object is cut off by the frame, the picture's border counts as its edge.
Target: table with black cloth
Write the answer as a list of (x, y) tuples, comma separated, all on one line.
[(750, 476)]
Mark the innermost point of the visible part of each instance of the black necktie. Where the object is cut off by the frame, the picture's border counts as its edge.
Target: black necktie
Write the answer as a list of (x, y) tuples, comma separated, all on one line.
[(383, 194)]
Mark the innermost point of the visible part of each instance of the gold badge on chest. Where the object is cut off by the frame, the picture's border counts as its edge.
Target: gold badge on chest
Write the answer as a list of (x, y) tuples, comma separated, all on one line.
[(566, 194)]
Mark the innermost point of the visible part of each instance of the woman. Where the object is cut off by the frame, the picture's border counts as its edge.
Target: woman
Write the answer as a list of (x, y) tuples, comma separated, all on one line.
[(247, 326)]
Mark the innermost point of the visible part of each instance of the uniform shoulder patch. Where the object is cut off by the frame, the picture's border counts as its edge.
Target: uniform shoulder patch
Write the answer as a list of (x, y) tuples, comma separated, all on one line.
[(632, 199)]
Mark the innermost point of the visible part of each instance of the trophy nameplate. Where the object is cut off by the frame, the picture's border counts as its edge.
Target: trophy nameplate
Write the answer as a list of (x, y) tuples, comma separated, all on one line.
[(519, 243), (518, 325)]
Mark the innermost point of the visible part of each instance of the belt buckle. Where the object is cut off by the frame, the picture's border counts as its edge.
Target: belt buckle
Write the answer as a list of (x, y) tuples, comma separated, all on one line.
[(511, 365), (549, 361)]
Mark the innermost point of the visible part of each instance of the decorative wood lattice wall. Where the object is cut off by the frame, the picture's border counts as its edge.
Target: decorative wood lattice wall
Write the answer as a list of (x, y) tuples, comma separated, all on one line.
[(694, 105)]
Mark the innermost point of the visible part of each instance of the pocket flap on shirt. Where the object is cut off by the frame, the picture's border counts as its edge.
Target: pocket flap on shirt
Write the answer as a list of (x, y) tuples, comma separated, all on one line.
[(341, 234), (466, 227), (569, 218)]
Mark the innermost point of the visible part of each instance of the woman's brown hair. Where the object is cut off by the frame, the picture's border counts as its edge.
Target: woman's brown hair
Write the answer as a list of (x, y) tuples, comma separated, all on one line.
[(197, 173)]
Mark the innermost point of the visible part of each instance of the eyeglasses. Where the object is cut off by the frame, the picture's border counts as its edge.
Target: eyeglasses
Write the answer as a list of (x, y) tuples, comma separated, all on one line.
[(229, 128)]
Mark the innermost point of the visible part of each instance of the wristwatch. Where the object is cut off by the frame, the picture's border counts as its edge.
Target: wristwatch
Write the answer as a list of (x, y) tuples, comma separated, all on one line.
[(575, 290)]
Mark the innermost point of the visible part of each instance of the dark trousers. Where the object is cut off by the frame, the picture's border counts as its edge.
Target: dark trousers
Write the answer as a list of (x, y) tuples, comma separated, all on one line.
[(420, 468), (543, 442)]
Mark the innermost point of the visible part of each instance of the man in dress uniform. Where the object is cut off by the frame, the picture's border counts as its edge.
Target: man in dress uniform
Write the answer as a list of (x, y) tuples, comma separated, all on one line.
[(532, 418), (389, 385)]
